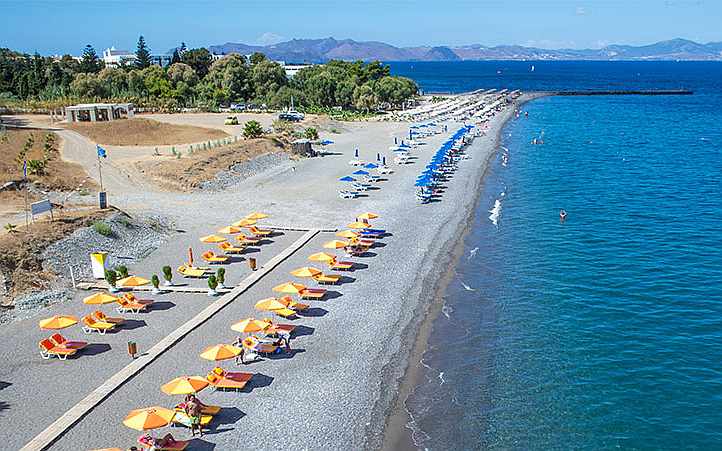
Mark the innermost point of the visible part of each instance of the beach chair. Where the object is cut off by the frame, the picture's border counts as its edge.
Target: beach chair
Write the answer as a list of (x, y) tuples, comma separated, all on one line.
[(327, 279), (205, 409), (339, 265), (60, 341), (254, 345), (129, 303), (100, 316), (187, 271), (289, 302), (284, 313), (167, 443), (182, 419), (228, 248), (212, 258), (225, 382), (260, 232), (345, 194), (315, 294), (90, 324), (247, 240), (49, 349), (282, 330)]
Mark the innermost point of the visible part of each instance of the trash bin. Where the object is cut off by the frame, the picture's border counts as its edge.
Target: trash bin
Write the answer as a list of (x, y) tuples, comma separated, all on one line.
[(98, 264), (252, 263), (132, 348)]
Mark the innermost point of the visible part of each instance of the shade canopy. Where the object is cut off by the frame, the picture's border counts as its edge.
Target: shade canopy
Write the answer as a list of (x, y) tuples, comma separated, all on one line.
[(244, 223), (149, 418), (347, 234), (213, 239), (335, 244), (257, 215), (326, 142), (270, 304), (371, 166), (357, 225), (184, 385), (306, 271), (57, 322), (99, 298), (367, 215), (250, 325), (347, 179), (289, 287), (220, 352), (321, 257), (230, 230), (360, 172), (132, 281)]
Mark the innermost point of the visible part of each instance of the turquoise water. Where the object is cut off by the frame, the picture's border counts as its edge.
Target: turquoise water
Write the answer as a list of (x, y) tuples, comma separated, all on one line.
[(604, 331)]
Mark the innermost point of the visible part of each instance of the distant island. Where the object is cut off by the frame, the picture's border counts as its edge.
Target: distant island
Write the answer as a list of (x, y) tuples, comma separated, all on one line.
[(323, 50)]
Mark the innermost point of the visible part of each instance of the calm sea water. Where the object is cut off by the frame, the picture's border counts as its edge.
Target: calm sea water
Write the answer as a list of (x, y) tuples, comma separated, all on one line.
[(604, 331)]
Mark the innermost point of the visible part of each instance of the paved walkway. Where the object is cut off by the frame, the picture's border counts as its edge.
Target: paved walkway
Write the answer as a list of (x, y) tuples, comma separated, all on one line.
[(67, 420)]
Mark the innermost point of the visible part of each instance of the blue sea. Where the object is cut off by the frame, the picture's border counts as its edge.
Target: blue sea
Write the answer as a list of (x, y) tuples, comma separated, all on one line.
[(604, 331)]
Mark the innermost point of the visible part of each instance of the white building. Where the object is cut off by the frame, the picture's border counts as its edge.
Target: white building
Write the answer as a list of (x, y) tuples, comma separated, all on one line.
[(292, 69), (116, 58)]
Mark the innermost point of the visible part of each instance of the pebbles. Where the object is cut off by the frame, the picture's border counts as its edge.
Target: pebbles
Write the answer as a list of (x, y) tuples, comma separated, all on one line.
[(129, 241), (239, 172)]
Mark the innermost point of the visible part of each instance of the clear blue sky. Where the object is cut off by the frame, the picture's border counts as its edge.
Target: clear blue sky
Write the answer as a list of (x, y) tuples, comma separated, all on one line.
[(65, 26)]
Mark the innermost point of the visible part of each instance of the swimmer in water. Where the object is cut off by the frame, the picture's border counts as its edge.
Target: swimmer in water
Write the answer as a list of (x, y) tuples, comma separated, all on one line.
[(562, 215)]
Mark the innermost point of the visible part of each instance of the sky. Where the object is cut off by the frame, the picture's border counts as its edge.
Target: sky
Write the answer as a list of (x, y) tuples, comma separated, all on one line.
[(66, 26)]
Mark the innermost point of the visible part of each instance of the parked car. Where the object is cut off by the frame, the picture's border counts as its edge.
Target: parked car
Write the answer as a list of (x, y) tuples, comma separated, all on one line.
[(292, 116), (237, 107)]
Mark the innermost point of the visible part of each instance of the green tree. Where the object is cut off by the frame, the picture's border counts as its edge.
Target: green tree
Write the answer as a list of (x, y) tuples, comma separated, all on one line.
[(90, 63), (310, 133), (228, 80), (87, 85), (252, 129), (156, 82), (257, 57), (267, 77), (365, 98), (176, 57), (142, 54), (114, 81), (199, 59)]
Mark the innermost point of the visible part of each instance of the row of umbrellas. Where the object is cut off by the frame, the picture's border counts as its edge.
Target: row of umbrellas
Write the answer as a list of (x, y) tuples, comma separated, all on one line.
[(429, 174)]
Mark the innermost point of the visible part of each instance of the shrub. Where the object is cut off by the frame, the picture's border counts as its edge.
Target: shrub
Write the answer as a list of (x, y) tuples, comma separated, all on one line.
[(155, 281), (212, 282), (167, 273), (252, 129), (221, 275), (11, 228), (311, 133), (122, 271), (36, 167), (111, 277), (102, 228)]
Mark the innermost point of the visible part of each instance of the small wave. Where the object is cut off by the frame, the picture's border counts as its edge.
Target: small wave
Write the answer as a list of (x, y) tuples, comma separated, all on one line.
[(472, 253), (446, 310), (495, 213), (441, 378), (466, 287)]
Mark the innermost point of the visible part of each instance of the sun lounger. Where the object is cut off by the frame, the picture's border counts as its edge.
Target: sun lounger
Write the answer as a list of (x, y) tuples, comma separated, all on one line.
[(247, 240), (90, 324), (205, 410), (59, 340), (182, 419), (340, 266), (49, 349), (284, 330), (313, 293), (285, 313), (100, 316), (167, 443), (129, 303), (330, 279), (292, 304), (187, 271), (253, 344), (212, 258), (345, 194), (228, 248), (260, 232), (240, 376), (223, 382)]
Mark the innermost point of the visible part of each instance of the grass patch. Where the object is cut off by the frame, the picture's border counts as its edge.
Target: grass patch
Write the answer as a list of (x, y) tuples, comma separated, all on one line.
[(103, 228)]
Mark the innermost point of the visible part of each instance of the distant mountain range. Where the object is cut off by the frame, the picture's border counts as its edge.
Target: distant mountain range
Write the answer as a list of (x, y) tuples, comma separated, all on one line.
[(321, 50)]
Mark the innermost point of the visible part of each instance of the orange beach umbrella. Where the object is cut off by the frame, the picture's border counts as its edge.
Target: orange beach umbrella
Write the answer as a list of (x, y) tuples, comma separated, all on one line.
[(58, 322), (357, 225), (321, 257), (270, 304), (132, 281), (229, 230), (256, 215), (220, 352), (149, 418), (99, 298), (212, 239), (367, 216), (290, 287), (347, 234), (306, 271), (335, 244), (244, 223), (250, 325), (184, 385)]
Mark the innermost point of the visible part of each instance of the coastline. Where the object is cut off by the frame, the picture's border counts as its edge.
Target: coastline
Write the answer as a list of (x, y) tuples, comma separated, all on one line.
[(397, 435)]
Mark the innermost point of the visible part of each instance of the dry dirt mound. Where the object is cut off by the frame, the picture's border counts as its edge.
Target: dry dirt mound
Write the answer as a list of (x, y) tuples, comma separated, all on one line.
[(144, 132), (190, 171)]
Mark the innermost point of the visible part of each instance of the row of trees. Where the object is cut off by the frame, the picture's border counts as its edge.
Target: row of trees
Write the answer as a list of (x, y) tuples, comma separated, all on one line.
[(194, 79)]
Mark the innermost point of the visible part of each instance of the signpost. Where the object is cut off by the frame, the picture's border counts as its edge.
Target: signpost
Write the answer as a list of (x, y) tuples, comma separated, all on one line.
[(102, 196)]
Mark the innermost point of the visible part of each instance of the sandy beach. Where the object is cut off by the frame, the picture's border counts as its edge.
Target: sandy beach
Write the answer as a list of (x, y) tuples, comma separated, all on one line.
[(335, 390)]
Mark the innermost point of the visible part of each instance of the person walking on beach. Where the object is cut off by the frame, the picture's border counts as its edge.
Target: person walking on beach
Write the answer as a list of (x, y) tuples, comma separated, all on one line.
[(193, 410)]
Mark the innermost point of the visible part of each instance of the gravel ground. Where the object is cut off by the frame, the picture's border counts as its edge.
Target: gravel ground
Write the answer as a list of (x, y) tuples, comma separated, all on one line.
[(334, 391), (241, 171)]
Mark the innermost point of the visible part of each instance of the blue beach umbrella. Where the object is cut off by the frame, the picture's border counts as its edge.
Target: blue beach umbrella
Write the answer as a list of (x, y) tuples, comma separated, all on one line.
[(371, 166), (348, 178), (361, 172), (326, 142)]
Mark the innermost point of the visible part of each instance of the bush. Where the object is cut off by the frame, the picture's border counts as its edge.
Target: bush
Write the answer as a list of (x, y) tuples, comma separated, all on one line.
[(252, 129), (111, 277), (221, 275), (155, 281), (212, 282), (167, 273), (102, 228), (311, 133), (122, 271)]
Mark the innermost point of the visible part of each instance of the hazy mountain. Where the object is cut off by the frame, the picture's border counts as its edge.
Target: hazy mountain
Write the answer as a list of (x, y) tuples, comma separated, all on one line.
[(320, 50)]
